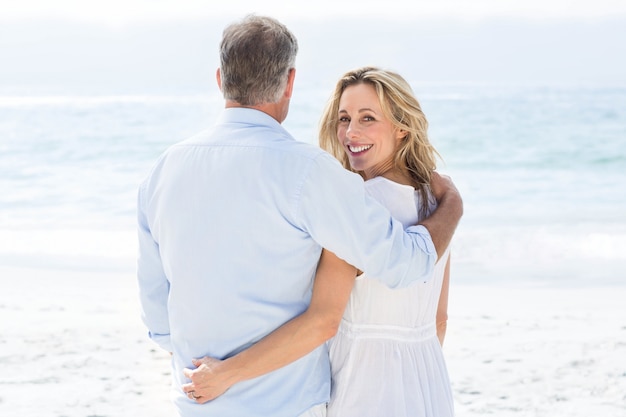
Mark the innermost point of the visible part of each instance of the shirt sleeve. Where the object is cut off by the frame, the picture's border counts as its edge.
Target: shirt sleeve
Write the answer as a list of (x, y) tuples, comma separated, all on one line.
[(339, 215), (153, 284)]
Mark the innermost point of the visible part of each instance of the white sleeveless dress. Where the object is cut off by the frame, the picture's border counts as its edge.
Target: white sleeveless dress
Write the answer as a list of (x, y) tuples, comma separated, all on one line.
[(386, 359)]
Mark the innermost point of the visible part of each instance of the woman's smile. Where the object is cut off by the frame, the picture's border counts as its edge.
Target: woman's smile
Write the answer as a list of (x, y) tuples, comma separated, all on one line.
[(357, 149)]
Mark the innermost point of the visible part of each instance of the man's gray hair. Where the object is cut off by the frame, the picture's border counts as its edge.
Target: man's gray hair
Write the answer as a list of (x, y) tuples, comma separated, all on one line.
[(256, 55)]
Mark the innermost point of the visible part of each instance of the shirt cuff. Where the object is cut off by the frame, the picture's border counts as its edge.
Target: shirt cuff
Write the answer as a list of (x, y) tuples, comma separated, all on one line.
[(163, 340), (426, 244)]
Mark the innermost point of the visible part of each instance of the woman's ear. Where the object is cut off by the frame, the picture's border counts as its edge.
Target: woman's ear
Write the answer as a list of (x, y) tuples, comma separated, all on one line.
[(401, 134)]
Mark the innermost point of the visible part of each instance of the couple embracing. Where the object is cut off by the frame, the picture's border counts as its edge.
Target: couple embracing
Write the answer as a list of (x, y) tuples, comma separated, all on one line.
[(293, 280)]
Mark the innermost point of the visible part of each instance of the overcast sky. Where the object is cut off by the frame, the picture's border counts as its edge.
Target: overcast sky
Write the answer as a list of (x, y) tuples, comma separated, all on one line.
[(122, 46), (129, 10)]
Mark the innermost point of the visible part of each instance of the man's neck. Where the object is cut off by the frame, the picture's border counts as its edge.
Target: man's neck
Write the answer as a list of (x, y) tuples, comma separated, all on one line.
[(274, 110)]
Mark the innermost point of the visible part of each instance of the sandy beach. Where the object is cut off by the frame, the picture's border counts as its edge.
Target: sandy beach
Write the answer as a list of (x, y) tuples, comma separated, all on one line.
[(537, 351), (72, 345)]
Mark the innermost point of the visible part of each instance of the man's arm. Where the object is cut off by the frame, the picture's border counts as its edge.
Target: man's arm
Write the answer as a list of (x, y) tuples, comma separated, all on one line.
[(443, 222), (153, 284), (331, 290)]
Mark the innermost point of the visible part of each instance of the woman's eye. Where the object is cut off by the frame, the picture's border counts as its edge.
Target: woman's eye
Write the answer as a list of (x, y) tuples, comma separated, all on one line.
[(344, 120), (368, 119)]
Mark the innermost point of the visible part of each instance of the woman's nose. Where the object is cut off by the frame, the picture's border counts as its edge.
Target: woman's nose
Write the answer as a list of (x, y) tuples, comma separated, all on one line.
[(352, 131)]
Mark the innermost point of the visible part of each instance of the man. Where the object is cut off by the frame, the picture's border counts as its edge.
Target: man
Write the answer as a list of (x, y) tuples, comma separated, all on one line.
[(232, 223)]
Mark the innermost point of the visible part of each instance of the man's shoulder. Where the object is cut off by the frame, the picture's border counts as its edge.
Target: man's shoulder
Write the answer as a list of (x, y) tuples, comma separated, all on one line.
[(279, 145), (303, 148), (250, 136)]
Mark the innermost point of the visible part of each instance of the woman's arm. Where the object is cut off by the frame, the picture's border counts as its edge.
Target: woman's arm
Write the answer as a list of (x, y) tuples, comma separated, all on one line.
[(442, 307), (334, 280)]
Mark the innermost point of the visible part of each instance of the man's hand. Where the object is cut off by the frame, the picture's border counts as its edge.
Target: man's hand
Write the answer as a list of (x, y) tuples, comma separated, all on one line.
[(208, 380), (440, 185), (442, 223)]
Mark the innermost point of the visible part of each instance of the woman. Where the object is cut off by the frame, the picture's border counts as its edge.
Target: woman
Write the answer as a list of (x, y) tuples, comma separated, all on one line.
[(386, 357)]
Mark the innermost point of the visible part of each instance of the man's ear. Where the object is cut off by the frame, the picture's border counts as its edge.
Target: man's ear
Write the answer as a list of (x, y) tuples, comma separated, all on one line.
[(290, 82), (218, 77)]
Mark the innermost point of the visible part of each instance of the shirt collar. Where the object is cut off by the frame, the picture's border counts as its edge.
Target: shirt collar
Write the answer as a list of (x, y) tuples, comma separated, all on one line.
[(248, 116)]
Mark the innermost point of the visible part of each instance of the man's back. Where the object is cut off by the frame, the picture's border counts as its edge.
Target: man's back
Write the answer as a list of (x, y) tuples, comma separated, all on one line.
[(223, 209)]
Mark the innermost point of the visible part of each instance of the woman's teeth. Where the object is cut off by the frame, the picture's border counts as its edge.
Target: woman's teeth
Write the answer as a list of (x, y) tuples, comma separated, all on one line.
[(357, 149)]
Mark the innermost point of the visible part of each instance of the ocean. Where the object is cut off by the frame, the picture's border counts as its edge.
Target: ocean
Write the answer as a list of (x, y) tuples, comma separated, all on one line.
[(542, 172)]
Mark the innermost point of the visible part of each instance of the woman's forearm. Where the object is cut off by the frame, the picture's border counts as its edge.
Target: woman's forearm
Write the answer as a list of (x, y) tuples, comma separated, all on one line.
[(294, 339), (442, 306), (288, 343)]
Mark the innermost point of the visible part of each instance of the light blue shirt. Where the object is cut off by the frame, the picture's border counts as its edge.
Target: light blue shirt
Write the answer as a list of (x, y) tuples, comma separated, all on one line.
[(231, 226)]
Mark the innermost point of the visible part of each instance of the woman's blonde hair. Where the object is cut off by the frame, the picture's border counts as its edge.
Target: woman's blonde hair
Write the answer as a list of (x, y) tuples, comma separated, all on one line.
[(416, 156)]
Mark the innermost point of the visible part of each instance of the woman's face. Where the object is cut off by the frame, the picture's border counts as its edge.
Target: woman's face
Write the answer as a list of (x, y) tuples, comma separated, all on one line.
[(368, 137)]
